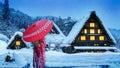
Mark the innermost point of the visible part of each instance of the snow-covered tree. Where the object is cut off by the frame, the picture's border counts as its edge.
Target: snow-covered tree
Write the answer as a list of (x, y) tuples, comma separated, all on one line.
[(7, 30), (20, 19), (6, 11), (1, 7)]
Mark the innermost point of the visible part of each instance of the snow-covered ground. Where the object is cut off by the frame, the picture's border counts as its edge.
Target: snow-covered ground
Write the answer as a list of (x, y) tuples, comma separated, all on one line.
[(24, 57), (59, 59)]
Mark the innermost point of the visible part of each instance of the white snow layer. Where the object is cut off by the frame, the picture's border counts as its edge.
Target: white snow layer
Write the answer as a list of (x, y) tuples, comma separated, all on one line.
[(4, 38), (58, 59), (3, 46), (54, 38), (22, 57)]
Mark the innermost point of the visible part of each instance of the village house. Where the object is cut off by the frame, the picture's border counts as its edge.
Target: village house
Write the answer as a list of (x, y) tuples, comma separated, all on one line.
[(89, 35), (16, 42)]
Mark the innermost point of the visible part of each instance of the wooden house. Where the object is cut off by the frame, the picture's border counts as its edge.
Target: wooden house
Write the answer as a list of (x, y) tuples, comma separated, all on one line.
[(16, 42), (90, 35)]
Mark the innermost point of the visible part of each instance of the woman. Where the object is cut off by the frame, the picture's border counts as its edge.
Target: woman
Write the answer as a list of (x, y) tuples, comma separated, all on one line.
[(39, 54)]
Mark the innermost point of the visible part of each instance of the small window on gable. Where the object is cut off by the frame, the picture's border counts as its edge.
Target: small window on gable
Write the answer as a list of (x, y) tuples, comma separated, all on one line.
[(99, 31), (18, 43), (85, 31), (82, 37), (92, 24)]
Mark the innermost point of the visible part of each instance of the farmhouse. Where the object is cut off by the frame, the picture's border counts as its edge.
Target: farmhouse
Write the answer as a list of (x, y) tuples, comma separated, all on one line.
[(16, 42), (89, 35)]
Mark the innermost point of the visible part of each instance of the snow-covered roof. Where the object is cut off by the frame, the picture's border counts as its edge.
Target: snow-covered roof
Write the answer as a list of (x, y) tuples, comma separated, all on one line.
[(20, 34), (16, 33), (77, 28), (58, 29), (55, 38), (109, 33)]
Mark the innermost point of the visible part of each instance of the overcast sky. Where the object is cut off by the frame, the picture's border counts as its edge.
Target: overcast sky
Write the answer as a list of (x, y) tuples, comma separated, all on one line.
[(107, 10)]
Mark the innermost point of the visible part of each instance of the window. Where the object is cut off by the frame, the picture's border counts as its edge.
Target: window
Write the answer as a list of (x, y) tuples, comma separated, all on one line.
[(92, 24), (17, 43), (92, 31), (92, 37), (83, 37), (85, 31), (99, 31), (101, 38)]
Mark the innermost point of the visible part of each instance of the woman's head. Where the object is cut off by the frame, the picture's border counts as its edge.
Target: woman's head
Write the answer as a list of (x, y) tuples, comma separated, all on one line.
[(37, 43)]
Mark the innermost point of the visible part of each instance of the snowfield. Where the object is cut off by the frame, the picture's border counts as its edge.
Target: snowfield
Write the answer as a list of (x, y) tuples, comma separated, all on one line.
[(23, 58), (3, 46), (58, 59)]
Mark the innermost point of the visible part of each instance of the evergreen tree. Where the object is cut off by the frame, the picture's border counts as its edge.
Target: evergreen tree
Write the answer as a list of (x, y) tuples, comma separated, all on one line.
[(6, 11)]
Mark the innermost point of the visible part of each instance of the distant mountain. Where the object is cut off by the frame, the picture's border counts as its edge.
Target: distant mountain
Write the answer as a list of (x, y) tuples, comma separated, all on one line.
[(17, 21), (20, 19)]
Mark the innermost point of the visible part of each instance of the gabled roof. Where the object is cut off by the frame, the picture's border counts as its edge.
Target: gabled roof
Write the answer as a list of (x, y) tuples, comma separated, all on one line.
[(77, 28), (55, 38), (18, 33), (12, 38), (58, 29)]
